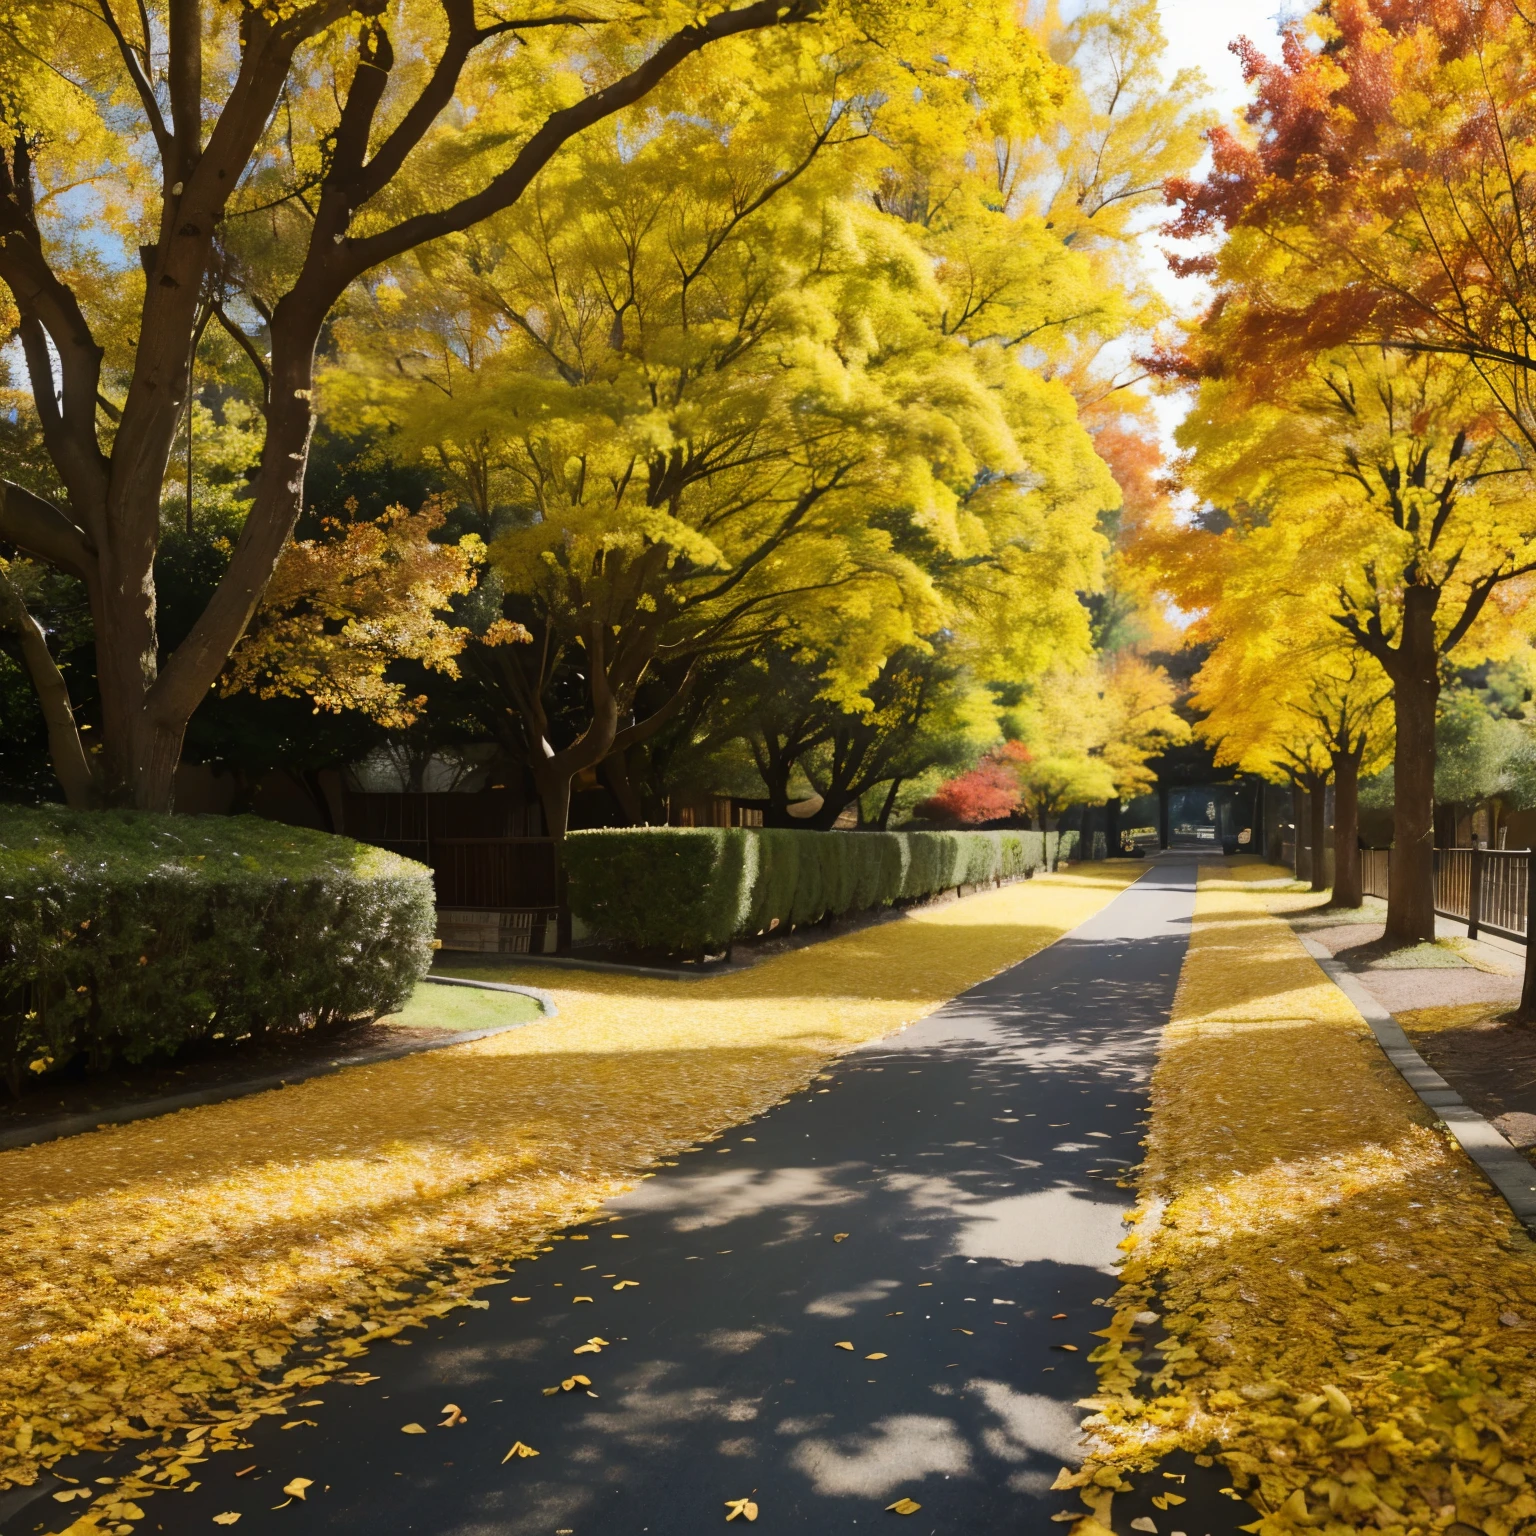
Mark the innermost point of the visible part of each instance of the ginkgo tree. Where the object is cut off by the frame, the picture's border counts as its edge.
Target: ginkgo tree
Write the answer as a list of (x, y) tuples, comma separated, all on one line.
[(244, 166), (1285, 696), (1091, 732), (1383, 487), (734, 413)]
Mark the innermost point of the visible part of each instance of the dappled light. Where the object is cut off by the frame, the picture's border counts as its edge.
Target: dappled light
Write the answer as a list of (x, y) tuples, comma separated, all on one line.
[(184, 1255), (1321, 1290)]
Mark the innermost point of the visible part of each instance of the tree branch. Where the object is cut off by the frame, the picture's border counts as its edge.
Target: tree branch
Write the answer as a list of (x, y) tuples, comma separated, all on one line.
[(248, 346), (41, 530), (76, 772), (560, 126), (141, 82)]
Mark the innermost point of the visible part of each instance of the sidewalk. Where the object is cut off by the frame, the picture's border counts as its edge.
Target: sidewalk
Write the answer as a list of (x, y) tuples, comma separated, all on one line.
[(1452, 999), (1322, 1293)]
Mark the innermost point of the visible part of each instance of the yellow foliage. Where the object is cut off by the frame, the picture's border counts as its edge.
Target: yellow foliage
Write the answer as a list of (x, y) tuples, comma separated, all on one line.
[(1090, 733), (341, 608), (160, 1274), (1323, 1270)]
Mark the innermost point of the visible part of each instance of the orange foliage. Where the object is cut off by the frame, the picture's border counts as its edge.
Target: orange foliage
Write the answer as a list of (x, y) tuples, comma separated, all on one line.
[(341, 608)]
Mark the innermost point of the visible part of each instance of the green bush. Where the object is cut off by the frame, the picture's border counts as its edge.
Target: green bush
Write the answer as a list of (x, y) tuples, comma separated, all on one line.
[(126, 934), (687, 890), (682, 889)]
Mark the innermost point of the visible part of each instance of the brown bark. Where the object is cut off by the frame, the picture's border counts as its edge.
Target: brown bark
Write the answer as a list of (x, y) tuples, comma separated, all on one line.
[(1317, 793), (1415, 699), (1315, 787), (1299, 821), (1346, 829), (77, 773)]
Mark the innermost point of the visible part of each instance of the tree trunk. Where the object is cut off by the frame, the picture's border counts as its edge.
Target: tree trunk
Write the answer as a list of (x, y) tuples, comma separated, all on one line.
[(774, 768), (1299, 823), (1415, 699), (1318, 794), (615, 771), (553, 782), (1346, 829), (882, 821)]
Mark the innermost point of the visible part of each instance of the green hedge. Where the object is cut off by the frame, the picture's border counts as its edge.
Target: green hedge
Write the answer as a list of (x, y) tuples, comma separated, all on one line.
[(126, 934), (692, 889)]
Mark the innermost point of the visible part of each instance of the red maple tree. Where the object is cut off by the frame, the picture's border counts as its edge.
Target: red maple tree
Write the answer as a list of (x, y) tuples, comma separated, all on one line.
[(989, 792)]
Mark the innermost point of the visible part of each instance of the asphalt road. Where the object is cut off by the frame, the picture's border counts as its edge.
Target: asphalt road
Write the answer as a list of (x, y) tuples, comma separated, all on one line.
[(944, 1201)]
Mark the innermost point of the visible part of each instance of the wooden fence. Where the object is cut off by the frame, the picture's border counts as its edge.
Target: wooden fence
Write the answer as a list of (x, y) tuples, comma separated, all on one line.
[(498, 888), (1488, 889)]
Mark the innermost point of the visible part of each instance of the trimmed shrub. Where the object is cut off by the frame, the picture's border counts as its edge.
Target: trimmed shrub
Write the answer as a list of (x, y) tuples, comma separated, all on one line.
[(124, 934), (686, 890), (1012, 863), (682, 889), (773, 897), (983, 858), (1034, 851)]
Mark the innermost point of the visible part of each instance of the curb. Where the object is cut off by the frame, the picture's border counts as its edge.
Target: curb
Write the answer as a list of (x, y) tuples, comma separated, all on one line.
[(148, 1109), (1501, 1164)]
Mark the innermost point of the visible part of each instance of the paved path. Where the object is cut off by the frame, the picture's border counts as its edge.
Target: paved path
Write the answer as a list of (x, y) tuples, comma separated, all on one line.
[(936, 1201)]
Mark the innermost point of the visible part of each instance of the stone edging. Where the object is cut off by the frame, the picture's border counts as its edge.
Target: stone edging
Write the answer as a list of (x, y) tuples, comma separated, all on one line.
[(146, 1109), (1505, 1168)]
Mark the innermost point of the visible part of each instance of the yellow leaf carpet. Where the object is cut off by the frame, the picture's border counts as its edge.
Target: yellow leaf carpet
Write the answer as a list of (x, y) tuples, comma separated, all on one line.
[(152, 1274), (1345, 1310)]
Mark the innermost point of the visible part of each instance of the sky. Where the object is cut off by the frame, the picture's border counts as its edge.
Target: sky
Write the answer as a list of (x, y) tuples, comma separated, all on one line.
[(1198, 32)]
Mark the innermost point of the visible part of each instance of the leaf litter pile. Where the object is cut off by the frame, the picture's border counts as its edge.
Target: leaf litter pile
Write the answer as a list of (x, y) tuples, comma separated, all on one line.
[(1321, 1294), (173, 1280)]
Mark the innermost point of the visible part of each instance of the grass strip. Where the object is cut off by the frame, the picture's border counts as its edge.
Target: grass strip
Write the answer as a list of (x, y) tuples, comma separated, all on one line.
[(1320, 1293), (203, 1267)]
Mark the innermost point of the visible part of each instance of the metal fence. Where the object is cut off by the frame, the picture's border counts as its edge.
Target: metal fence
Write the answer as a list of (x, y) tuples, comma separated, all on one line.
[(1373, 872), (1488, 889)]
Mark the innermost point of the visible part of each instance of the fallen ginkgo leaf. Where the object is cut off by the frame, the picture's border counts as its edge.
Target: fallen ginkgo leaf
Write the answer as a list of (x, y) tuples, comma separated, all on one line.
[(593, 1346), (295, 1423), (412, 1429), (518, 1449), (904, 1506), (969, 1331), (874, 1357), (838, 1237), (1144, 1523), (622, 1283), (297, 1486), (575, 1299), (455, 1416), (227, 1518), (744, 1508), (520, 1298), (1071, 1349), (842, 1344), (72, 1493)]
